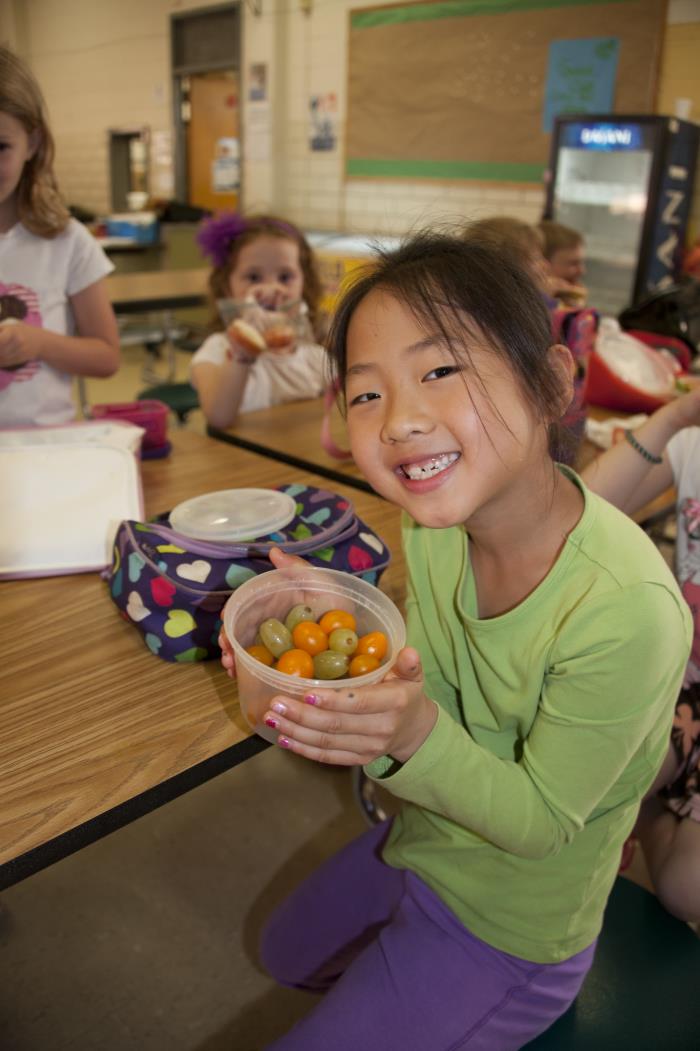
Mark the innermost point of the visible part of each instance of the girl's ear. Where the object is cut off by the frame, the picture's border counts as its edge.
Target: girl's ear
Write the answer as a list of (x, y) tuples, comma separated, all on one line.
[(34, 142), (561, 360)]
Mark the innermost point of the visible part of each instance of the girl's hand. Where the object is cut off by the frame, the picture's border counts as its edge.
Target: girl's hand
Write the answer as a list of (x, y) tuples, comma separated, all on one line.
[(349, 727), (280, 560), (269, 297), (19, 343), (685, 409)]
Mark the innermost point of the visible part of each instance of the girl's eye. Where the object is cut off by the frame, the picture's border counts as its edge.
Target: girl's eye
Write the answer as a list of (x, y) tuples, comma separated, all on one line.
[(363, 398), (253, 277), (285, 278), (441, 371)]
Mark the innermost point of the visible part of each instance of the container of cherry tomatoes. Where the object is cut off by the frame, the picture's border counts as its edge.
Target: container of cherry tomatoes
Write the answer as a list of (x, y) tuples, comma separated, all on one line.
[(327, 601)]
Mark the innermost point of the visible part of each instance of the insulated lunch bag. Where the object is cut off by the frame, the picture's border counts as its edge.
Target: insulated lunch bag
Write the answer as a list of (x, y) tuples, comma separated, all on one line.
[(173, 588)]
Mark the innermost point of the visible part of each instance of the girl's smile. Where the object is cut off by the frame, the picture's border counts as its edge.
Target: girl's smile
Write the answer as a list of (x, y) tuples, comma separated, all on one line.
[(425, 474)]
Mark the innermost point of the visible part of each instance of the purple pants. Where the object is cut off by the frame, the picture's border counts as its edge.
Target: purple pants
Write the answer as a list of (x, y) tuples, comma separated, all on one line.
[(402, 973)]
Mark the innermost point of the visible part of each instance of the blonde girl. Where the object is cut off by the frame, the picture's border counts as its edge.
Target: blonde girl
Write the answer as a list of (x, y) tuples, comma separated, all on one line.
[(268, 263), (56, 321)]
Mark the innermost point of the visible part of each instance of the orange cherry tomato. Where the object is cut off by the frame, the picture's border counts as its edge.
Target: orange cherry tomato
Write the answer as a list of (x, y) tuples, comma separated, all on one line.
[(373, 644), (296, 662), (361, 664), (336, 618), (261, 653), (310, 637)]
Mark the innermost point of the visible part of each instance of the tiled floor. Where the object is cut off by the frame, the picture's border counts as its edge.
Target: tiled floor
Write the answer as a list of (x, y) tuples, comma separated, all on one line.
[(146, 940)]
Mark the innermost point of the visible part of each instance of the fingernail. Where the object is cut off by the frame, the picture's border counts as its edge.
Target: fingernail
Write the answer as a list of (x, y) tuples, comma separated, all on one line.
[(311, 698), (284, 742), (280, 708), (272, 723)]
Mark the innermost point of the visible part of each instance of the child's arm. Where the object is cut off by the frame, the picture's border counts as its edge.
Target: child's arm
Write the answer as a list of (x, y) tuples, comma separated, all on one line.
[(623, 476), (221, 372), (221, 387), (94, 351)]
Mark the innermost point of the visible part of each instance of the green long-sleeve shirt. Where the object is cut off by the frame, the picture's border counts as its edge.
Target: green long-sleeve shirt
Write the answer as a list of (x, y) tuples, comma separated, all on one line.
[(553, 721)]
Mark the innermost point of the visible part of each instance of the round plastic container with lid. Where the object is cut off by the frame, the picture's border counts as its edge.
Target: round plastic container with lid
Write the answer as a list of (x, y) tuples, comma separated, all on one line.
[(228, 516), (272, 595)]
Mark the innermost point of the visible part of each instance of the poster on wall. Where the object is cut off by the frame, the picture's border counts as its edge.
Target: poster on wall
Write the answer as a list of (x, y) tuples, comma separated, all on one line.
[(323, 119), (580, 77), (257, 82), (226, 166)]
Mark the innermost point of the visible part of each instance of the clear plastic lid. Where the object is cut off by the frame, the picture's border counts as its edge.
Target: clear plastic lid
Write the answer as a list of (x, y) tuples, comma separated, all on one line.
[(232, 515)]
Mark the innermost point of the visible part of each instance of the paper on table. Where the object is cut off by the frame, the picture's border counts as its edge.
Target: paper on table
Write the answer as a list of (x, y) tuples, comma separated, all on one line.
[(63, 497)]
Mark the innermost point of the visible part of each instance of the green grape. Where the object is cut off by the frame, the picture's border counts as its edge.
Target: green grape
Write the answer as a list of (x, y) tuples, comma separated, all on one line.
[(330, 665), (297, 614), (342, 640), (276, 637)]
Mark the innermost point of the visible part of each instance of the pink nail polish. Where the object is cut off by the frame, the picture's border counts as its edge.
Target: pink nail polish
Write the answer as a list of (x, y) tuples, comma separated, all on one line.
[(272, 723), (311, 698), (284, 742), (280, 708)]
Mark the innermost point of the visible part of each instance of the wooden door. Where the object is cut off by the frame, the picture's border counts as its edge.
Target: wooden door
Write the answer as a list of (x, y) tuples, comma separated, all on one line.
[(213, 153)]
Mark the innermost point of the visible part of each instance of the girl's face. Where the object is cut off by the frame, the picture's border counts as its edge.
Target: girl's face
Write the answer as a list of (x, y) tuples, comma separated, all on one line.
[(448, 442), (17, 146), (268, 270)]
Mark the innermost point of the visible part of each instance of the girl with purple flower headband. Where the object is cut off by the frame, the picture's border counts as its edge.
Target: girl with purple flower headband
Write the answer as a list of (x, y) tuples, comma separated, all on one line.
[(222, 238), (266, 288)]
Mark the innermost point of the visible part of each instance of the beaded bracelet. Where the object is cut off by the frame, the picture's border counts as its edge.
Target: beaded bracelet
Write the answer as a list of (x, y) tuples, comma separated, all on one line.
[(240, 356), (638, 447)]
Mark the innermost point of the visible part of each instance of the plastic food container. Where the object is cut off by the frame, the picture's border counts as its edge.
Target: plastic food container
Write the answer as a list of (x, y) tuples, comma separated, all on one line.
[(272, 595), (151, 415), (285, 326)]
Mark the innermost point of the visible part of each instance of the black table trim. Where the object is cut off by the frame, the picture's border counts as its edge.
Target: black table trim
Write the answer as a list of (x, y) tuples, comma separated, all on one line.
[(90, 831), (293, 461)]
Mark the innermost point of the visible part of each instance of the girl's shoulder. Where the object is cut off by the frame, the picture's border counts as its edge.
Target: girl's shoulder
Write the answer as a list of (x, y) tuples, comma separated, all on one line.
[(213, 350)]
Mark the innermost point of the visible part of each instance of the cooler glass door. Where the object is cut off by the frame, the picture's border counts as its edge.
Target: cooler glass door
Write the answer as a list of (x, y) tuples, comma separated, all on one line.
[(602, 181)]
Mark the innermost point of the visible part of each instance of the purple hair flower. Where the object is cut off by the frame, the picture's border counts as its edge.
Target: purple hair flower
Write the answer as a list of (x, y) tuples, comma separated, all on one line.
[(216, 235)]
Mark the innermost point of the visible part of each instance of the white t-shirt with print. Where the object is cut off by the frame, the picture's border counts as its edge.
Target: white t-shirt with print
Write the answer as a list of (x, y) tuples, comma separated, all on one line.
[(38, 275), (684, 456), (273, 379)]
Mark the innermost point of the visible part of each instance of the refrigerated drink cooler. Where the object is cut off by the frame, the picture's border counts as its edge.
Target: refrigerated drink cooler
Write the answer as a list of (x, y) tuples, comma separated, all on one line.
[(625, 183)]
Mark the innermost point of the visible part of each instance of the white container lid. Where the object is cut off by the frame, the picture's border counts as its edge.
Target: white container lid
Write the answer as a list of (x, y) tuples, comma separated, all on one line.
[(231, 515)]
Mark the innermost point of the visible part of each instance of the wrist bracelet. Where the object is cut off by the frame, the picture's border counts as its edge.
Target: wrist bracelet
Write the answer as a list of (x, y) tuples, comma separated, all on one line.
[(242, 358), (638, 447)]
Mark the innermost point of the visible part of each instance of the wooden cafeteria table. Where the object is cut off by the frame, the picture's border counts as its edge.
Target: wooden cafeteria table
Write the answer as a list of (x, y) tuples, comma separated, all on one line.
[(291, 433), (96, 731), (141, 292)]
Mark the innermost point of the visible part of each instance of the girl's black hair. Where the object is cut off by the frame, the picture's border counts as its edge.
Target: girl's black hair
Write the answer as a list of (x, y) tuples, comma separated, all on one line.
[(459, 290)]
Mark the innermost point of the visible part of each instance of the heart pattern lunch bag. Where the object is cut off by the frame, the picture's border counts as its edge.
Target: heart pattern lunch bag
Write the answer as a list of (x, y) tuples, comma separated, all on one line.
[(173, 588)]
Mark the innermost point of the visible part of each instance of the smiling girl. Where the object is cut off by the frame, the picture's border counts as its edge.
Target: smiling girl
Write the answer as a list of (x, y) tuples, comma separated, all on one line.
[(530, 711), (267, 262)]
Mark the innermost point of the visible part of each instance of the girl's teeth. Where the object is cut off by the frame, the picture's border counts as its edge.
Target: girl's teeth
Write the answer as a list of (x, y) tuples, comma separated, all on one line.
[(429, 468)]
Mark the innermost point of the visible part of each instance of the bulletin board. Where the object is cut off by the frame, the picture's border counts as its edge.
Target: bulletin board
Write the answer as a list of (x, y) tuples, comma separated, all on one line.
[(454, 89)]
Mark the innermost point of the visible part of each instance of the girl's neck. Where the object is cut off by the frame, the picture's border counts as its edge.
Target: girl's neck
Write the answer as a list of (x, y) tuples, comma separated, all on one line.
[(511, 550), (8, 214)]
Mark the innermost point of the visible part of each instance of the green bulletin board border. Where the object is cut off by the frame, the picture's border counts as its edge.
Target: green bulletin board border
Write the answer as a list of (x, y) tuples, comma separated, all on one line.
[(426, 169), (459, 9)]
